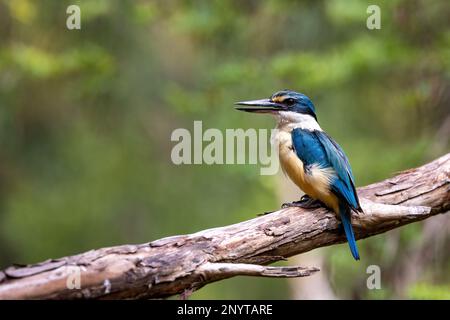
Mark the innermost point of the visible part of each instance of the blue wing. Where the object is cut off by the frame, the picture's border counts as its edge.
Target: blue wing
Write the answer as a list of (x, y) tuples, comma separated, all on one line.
[(345, 185), (318, 147)]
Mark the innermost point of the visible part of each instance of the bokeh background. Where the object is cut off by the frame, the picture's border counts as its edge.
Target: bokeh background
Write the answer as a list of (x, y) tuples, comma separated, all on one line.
[(86, 118)]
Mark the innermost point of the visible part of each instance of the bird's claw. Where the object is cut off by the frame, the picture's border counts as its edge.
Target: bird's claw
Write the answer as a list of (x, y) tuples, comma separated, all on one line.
[(306, 202)]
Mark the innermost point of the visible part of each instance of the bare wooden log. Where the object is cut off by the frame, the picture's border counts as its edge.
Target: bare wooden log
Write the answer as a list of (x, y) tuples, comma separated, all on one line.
[(184, 263), (244, 269)]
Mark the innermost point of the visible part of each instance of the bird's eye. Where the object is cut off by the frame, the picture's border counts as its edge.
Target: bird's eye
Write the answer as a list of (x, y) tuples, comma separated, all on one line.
[(289, 101)]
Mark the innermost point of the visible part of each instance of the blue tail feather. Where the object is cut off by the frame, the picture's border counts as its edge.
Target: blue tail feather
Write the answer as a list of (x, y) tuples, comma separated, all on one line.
[(346, 222)]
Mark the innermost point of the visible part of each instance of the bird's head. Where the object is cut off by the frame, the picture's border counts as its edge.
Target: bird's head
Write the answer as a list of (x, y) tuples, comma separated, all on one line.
[(284, 103)]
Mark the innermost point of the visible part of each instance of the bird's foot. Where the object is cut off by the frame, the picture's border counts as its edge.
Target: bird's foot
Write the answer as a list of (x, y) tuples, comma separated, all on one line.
[(306, 202)]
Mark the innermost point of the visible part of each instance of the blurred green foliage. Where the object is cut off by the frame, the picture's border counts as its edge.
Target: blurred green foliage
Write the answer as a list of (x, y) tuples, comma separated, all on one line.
[(86, 118), (426, 291)]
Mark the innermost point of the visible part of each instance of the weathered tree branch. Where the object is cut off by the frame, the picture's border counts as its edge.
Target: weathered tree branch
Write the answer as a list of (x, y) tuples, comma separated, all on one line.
[(187, 262)]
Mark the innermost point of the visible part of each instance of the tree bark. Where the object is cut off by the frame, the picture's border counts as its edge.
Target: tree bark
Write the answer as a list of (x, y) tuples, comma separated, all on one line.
[(181, 264)]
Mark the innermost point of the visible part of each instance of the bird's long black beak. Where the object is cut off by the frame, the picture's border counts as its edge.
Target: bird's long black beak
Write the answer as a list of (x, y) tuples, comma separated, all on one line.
[(259, 106)]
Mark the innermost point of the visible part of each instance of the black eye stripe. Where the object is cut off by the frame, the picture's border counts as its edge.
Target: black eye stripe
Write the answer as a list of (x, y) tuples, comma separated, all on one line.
[(289, 100)]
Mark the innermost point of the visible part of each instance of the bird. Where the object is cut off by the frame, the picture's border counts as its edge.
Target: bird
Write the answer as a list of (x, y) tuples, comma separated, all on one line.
[(310, 157)]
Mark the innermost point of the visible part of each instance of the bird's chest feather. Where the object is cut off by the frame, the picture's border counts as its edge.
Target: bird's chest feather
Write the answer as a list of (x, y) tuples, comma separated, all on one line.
[(314, 181)]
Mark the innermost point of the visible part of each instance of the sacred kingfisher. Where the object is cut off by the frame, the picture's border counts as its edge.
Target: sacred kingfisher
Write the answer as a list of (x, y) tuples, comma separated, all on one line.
[(310, 157)]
